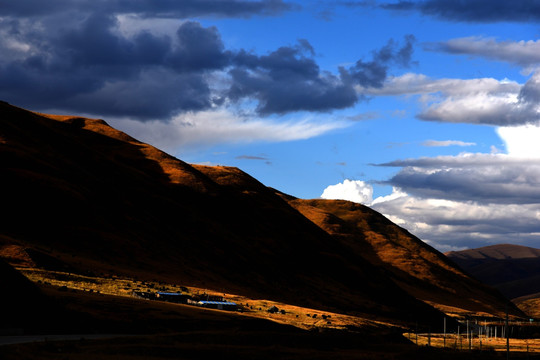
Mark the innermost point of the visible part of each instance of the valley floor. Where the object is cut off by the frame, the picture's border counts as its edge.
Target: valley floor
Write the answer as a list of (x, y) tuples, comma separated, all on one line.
[(160, 330)]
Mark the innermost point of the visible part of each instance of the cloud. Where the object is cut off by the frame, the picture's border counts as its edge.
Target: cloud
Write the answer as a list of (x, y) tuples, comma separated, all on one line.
[(483, 11), (351, 190), (476, 101), (447, 224), (522, 53), (288, 79), (487, 181), (94, 69), (437, 143), (147, 8), (470, 200), (108, 60), (251, 157), (419, 84), (201, 129), (512, 178), (254, 157), (521, 141), (364, 116)]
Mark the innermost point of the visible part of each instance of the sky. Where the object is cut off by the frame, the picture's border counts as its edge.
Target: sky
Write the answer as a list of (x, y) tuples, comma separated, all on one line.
[(426, 111)]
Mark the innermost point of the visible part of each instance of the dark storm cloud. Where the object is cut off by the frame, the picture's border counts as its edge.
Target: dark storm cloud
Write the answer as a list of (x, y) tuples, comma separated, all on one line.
[(200, 48), (473, 10), (94, 44), (92, 68), (288, 79), (83, 62), (148, 8), (373, 73)]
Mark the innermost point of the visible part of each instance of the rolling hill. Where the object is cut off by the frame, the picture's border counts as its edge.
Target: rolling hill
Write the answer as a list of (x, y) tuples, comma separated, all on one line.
[(412, 264), (513, 269), (85, 197)]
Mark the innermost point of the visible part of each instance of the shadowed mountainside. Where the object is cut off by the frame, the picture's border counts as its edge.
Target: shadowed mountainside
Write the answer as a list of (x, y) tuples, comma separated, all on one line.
[(16, 309), (97, 200), (85, 197), (26, 309), (415, 266), (513, 269)]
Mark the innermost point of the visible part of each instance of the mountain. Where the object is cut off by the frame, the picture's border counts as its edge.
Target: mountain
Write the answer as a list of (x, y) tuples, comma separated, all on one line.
[(513, 269), (412, 264), (100, 201), (87, 198)]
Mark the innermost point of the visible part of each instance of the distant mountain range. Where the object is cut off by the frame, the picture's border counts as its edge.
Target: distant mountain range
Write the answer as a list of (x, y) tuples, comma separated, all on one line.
[(513, 269), (84, 197)]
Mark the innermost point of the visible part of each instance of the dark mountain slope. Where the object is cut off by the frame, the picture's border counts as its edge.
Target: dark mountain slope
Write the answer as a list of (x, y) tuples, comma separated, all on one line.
[(415, 266), (18, 296), (97, 200), (26, 309), (513, 269)]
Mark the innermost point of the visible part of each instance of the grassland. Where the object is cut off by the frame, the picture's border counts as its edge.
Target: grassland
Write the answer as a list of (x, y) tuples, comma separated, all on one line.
[(300, 317)]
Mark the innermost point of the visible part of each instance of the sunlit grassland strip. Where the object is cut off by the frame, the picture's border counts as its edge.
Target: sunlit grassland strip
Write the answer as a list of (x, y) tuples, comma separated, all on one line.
[(300, 317)]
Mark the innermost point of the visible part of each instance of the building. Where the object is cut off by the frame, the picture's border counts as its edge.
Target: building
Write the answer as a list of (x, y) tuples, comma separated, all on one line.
[(144, 295), (178, 298), (220, 305)]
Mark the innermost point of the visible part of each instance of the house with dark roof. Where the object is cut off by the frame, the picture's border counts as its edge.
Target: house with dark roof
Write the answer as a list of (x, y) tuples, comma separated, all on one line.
[(176, 297), (220, 305)]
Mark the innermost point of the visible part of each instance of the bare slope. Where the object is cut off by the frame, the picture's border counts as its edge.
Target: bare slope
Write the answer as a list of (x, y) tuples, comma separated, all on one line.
[(97, 200), (513, 269), (415, 266)]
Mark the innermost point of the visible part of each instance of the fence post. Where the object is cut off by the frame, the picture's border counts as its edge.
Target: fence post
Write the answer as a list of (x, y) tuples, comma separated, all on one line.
[(444, 336), (460, 340), (507, 335), (469, 335)]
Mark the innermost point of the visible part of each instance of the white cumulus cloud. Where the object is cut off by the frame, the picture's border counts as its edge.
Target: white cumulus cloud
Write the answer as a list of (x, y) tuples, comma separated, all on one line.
[(351, 190), (521, 141)]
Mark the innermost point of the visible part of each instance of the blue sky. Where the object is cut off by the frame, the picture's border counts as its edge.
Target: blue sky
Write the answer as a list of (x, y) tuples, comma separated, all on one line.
[(427, 111)]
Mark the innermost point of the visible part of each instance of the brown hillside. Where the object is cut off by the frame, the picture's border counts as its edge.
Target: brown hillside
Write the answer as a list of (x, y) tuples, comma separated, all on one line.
[(415, 266), (496, 252), (99, 201), (513, 269)]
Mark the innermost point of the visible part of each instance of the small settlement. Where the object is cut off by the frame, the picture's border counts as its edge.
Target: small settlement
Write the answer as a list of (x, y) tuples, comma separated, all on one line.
[(202, 300)]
